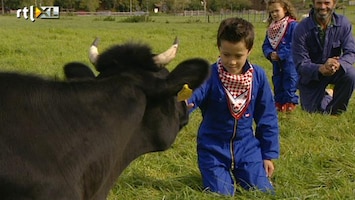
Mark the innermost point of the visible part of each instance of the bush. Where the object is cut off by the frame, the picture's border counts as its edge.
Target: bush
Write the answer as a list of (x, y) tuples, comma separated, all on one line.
[(109, 18), (136, 19)]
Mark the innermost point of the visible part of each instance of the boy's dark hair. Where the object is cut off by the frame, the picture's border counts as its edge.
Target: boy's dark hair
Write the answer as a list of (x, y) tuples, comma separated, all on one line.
[(236, 30)]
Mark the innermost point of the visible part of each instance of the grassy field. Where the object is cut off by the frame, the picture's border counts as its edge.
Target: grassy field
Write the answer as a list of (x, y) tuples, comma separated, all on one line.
[(317, 152)]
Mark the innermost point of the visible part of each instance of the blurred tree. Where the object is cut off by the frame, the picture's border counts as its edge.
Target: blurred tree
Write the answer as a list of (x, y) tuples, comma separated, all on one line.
[(26, 3), (196, 5), (90, 5), (180, 5), (12, 4), (243, 5), (45, 2), (138, 5)]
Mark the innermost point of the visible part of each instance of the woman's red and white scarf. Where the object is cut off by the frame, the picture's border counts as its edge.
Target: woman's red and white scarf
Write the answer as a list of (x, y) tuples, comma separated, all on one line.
[(277, 30), (238, 89)]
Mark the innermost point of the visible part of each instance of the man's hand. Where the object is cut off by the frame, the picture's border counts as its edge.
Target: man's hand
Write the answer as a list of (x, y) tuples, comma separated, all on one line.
[(330, 67)]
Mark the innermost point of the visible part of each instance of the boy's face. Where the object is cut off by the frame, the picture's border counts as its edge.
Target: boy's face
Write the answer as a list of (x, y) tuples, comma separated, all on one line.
[(233, 56)]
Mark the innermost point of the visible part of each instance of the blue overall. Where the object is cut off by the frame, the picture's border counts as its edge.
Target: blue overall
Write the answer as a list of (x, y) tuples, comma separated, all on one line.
[(228, 149), (309, 53), (284, 75)]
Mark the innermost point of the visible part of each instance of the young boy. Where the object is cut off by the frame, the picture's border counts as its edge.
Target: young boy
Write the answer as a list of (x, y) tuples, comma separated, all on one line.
[(229, 150)]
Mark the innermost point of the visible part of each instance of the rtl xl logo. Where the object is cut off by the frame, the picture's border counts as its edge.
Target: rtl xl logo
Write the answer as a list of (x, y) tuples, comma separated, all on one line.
[(43, 12)]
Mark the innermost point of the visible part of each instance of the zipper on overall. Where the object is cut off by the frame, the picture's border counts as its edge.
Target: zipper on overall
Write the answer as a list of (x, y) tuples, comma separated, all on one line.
[(231, 144)]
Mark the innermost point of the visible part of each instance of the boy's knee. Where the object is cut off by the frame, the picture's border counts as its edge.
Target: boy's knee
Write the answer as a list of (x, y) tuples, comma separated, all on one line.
[(218, 181), (252, 176)]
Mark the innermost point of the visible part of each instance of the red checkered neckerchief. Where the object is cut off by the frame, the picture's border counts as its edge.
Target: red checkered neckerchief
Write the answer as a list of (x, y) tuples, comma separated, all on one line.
[(238, 89), (277, 30)]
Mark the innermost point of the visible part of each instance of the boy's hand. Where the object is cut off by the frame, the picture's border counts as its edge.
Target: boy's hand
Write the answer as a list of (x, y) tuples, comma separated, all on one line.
[(189, 105), (274, 56), (269, 167)]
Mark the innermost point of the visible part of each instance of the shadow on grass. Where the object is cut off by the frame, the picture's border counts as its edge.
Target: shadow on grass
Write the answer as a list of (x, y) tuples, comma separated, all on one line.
[(177, 183)]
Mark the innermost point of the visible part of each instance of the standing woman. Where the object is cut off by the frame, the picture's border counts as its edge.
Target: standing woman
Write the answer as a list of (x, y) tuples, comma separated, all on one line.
[(277, 49)]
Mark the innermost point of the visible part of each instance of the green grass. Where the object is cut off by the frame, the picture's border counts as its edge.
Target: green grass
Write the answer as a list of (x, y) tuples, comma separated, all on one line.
[(317, 152)]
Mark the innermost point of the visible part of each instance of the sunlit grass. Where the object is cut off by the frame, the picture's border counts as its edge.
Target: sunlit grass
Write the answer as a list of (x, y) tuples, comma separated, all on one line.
[(317, 152)]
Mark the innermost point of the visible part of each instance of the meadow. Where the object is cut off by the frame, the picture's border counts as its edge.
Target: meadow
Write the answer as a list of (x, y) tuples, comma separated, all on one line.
[(317, 158)]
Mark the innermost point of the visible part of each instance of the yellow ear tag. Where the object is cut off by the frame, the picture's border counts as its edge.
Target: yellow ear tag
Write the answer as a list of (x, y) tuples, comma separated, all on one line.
[(184, 93)]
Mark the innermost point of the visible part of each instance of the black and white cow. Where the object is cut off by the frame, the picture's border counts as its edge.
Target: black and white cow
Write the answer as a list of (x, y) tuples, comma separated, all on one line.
[(72, 139)]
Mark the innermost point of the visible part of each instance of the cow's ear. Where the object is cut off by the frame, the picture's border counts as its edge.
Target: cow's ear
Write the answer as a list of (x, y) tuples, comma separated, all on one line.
[(192, 72), (77, 71)]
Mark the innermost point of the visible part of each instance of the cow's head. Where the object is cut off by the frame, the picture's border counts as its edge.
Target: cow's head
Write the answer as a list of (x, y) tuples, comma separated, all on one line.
[(163, 116), (120, 58)]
